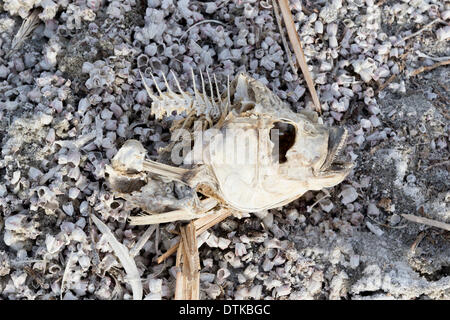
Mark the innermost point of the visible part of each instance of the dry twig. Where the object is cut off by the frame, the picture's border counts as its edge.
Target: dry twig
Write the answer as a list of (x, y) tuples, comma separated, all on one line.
[(391, 78), (429, 68), (165, 217), (142, 241), (69, 263), (28, 25), (386, 225), (437, 164), (201, 225), (412, 250), (283, 38), (386, 83), (426, 221), (420, 31), (179, 283), (426, 56), (297, 46), (440, 94), (420, 70), (188, 263), (36, 277)]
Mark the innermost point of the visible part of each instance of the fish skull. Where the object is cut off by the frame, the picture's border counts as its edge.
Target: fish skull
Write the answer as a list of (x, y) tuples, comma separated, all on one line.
[(261, 156)]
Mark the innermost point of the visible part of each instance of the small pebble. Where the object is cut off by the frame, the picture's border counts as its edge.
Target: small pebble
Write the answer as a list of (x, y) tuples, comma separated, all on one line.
[(348, 195), (394, 219), (372, 210), (374, 229)]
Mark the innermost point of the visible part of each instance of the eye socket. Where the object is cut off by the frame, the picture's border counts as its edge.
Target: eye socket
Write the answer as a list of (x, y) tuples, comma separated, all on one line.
[(114, 205), (283, 137)]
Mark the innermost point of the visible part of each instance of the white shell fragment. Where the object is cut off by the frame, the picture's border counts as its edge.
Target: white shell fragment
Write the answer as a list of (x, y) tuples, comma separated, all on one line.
[(348, 195), (443, 33), (375, 229)]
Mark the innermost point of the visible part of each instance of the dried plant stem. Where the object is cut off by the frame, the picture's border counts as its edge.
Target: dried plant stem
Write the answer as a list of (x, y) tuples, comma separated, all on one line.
[(201, 225), (386, 83), (412, 250), (193, 261), (283, 38), (158, 218), (440, 95), (297, 46), (429, 68), (391, 78), (36, 277), (188, 263), (124, 256), (309, 208), (423, 55), (417, 71), (219, 217), (142, 240), (386, 225), (426, 221), (179, 287), (69, 263), (420, 31), (27, 27), (437, 164)]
